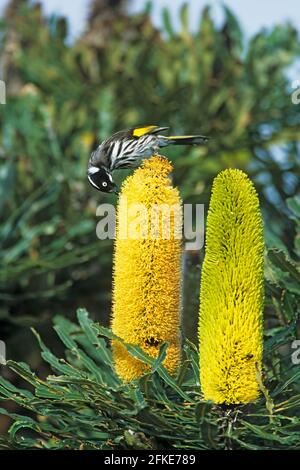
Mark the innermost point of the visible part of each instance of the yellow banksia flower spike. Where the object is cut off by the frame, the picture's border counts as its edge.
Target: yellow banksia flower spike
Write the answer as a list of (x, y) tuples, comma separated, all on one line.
[(231, 298), (147, 264)]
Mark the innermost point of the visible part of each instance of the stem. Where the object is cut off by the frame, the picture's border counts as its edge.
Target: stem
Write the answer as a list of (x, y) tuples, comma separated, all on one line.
[(229, 418)]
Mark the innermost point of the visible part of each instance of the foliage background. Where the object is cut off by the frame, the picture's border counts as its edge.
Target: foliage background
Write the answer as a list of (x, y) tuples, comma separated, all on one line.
[(62, 98)]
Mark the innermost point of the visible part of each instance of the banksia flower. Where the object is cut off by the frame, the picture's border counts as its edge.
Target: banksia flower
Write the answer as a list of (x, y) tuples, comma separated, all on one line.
[(147, 259), (231, 300)]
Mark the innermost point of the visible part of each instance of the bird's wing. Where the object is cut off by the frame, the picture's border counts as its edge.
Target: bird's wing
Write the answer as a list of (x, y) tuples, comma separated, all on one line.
[(142, 130)]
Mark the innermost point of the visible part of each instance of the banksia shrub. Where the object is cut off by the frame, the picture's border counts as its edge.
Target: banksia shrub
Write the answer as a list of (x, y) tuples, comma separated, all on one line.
[(147, 259), (231, 299)]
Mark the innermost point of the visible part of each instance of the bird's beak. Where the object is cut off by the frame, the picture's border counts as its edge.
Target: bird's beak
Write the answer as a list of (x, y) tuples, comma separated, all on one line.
[(116, 190)]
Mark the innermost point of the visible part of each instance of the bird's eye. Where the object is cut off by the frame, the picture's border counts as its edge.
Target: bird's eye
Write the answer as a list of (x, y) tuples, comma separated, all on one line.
[(104, 184)]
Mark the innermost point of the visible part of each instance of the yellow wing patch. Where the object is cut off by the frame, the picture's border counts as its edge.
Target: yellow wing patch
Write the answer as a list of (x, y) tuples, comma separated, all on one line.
[(138, 131)]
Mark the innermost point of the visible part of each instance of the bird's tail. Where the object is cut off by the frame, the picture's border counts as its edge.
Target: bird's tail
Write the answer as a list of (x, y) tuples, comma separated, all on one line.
[(186, 139)]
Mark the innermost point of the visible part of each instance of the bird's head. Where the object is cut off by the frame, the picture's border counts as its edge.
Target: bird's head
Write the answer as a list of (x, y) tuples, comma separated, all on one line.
[(101, 179)]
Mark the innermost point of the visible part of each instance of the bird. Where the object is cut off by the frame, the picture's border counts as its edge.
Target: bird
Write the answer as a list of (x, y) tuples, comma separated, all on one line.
[(127, 148)]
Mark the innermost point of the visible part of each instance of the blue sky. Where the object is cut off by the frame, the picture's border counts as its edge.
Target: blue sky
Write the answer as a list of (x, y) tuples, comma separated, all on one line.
[(252, 14)]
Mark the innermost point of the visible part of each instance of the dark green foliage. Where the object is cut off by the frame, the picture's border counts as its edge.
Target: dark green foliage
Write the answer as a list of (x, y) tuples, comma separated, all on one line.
[(83, 405)]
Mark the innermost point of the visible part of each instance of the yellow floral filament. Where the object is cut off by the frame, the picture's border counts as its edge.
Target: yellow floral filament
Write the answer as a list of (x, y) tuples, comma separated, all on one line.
[(146, 283), (231, 298)]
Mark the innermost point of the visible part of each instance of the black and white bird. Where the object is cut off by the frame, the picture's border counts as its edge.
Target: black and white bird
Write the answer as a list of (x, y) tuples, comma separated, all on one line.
[(126, 149)]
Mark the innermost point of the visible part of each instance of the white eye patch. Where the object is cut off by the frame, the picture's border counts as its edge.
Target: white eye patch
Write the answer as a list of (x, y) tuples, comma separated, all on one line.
[(92, 170), (104, 184)]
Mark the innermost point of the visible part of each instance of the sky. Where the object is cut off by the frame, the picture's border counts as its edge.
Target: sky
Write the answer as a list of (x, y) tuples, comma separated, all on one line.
[(253, 14)]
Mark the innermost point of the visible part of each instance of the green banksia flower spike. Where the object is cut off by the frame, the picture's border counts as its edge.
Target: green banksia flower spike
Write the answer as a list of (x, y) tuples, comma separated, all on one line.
[(231, 298), (146, 283)]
